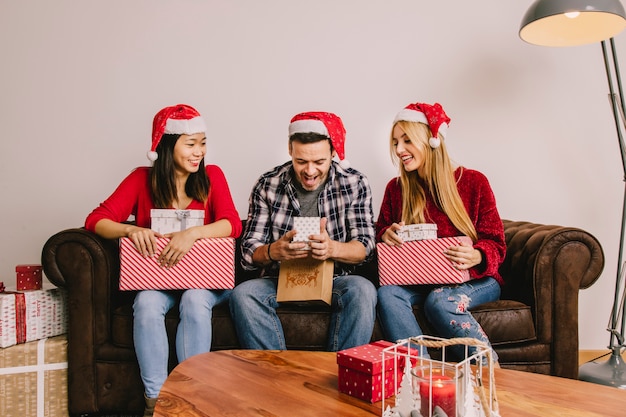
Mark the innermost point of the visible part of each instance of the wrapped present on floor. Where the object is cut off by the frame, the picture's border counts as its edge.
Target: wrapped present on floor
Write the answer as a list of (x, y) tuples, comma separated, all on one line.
[(210, 263), (173, 220), (420, 262), (26, 316), (28, 277), (361, 371), (33, 379)]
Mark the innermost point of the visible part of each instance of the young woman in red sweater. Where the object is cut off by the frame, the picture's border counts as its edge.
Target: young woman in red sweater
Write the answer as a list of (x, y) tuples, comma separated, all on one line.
[(460, 202), (178, 179)]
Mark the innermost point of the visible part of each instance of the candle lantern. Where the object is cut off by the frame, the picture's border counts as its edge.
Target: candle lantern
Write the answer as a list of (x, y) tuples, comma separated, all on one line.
[(440, 387)]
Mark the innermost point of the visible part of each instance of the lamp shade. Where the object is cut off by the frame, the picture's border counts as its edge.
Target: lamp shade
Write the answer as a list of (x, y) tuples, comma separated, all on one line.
[(572, 22)]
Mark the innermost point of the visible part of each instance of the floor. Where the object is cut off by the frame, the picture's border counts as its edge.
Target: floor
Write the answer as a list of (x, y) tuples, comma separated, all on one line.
[(585, 356)]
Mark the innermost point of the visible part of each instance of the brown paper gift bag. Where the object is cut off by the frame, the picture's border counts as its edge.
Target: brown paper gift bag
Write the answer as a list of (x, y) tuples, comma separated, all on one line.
[(305, 280)]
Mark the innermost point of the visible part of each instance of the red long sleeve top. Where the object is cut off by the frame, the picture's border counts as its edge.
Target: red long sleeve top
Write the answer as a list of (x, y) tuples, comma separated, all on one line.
[(480, 204), (133, 197)]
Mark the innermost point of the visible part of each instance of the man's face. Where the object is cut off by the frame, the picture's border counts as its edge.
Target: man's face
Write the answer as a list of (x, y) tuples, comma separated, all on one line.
[(311, 162)]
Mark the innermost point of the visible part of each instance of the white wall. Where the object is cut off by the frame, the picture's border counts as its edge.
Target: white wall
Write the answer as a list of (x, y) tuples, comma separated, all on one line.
[(81, 80)]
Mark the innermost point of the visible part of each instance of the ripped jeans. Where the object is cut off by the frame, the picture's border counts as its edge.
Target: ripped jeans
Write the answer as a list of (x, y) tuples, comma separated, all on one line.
[(446, 308)]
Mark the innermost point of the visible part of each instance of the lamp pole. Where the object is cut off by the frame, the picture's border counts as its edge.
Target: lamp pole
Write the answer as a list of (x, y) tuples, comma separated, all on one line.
[(579, 22), (613, 371)]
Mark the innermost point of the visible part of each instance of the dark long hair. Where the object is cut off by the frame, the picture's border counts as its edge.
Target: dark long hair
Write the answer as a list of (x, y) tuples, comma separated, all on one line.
[(163, 180)]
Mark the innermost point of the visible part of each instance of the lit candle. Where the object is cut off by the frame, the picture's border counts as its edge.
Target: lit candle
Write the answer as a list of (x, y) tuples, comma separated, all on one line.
[(442, 390)]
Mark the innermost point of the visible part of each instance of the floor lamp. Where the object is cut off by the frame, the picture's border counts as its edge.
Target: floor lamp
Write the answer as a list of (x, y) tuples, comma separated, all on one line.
[(580, 22)]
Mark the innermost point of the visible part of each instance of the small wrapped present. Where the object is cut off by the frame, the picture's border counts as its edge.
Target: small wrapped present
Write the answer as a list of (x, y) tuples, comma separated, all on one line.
[(210, 263), (306, 226), (173, 220), (28, 277), (420, 262), (32, 315), (361, 371), (421, 231), (33, 379)]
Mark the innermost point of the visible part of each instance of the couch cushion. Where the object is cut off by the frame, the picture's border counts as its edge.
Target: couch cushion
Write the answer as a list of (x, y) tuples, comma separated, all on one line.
[(506, 321)]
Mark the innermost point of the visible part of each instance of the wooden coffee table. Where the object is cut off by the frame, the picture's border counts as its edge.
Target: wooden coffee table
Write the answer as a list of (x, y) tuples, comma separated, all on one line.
[(297, 384)]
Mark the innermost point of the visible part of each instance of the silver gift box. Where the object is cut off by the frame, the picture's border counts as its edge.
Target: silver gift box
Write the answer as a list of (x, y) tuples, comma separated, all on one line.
[(420, 231)]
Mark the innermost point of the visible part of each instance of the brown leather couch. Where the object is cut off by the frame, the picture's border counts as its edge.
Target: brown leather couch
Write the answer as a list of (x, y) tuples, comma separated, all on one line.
[(534, 327)]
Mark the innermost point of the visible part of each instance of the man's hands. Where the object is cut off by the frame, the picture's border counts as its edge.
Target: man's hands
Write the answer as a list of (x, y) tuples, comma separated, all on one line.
[(322, 246), (284, 249)]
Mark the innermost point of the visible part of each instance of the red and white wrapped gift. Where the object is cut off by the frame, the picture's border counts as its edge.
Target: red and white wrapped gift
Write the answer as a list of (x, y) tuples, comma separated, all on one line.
[(361, 371), (32, 315), (174, 220), (28, 277), (420, 262), (210, 263)]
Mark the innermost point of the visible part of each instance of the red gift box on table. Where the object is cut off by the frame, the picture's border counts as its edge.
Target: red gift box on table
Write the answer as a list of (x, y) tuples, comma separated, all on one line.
[(210, 263), (28, 277), (420, 262), (361, 372)]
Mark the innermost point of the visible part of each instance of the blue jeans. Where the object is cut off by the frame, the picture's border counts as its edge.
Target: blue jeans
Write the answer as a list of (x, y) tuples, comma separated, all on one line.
[(193, 335), (446, 308), (253, 309)]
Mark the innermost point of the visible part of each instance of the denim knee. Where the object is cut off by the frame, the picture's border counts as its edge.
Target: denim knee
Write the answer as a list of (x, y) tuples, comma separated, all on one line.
[(151, 304)]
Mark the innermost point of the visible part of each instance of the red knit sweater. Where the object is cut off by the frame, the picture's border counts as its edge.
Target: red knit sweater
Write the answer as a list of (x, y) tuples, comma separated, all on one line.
[(480, 204), (133, 196)]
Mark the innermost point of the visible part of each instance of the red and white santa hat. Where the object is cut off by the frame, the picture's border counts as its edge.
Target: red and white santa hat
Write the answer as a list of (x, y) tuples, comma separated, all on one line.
[(323, 123), (180, 119), (431, 115)]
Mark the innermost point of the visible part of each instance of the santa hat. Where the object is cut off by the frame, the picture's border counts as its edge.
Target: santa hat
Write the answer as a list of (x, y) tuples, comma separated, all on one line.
[(323, 123), (180, 119), (431, 115)]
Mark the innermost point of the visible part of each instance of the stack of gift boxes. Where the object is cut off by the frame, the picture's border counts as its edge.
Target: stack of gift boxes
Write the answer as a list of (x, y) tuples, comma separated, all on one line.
[(33, 347)]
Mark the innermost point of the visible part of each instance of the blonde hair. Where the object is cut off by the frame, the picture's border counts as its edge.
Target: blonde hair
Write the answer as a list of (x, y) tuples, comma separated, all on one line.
[(438, 179)]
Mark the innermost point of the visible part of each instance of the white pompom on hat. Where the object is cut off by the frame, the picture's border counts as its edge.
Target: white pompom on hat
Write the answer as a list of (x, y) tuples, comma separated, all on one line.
[(431, 115), (180, 119)]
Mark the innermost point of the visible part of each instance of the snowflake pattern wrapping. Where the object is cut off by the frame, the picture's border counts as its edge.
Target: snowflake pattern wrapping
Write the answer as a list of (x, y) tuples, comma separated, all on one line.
[(306, 226)]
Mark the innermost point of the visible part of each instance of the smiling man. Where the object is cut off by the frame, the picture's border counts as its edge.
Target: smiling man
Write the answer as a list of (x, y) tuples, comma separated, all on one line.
[(311, 184)]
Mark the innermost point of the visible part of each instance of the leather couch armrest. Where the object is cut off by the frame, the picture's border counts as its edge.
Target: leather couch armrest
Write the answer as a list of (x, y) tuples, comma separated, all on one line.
[(545, 267), (88, 267)]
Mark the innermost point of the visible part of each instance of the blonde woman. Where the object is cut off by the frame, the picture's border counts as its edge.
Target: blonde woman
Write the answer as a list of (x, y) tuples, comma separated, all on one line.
[(459, 201)]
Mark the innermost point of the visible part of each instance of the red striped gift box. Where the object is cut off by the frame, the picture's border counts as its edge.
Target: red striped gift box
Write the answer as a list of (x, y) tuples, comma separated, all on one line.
[(419, 262), (210, 263)]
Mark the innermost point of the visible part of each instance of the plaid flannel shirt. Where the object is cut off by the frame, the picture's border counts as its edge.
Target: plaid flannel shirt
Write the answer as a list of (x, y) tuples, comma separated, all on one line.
[(346, 201)]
